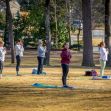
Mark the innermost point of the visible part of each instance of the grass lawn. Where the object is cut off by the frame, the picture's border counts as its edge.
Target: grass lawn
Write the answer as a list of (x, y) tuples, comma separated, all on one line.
[(17, 94)]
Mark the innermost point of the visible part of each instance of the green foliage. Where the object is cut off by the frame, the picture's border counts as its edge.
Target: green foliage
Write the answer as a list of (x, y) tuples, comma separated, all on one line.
[(2, 21), (62, 33), (21, 25), (36, 19), (32, 27)]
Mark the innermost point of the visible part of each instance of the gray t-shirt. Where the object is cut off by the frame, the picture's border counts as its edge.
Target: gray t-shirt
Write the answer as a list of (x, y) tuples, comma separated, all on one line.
[(41, 51)]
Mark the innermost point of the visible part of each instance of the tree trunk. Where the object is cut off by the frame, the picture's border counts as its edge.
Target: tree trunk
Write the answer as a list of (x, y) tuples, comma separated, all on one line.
[(56, 27), (6, 39), (87, 34), (107, 22), (107, 29), (68, 5), (78, 36), (9, 29), (48, 31)]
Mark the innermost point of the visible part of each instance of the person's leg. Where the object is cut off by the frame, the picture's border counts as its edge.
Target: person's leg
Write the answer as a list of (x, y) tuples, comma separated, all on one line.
[(65, 72), (39, 65), (18, 60), (103, 65), (44, 62), (1, 68)]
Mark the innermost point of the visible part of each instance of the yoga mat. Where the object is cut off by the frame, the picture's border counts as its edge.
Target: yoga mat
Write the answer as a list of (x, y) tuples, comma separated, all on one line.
[(41, 85), (102, 78), (34, 71)]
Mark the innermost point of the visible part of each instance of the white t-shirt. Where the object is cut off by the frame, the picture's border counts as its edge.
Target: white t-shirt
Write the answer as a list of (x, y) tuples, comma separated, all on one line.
[(103, 54), (2, 54), (19, 50)]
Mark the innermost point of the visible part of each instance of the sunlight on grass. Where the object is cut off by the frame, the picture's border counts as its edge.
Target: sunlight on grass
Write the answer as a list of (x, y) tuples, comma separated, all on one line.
[(18, 94)]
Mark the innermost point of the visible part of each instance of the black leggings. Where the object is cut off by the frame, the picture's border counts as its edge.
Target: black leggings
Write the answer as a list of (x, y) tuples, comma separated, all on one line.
[(65, 70), (40, 64), (1, 67), (18, 61)]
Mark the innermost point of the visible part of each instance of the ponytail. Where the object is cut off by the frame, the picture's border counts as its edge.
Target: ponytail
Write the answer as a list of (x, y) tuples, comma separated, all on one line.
[(101, 44)]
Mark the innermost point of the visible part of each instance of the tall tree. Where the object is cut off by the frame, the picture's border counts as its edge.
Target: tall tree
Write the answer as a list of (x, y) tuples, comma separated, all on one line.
[(87, 34), (56, 21), (9, 28), (107, 29), (48, 31), (68, 7)]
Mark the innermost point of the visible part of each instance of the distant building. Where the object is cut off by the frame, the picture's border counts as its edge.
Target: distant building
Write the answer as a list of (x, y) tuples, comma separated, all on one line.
[(14, 6)]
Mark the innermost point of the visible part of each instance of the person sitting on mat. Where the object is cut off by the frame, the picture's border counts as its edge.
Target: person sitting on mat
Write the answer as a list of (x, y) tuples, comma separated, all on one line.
[(41, 55), (103, 57), (19, 53), (65, 60), (2, 57)]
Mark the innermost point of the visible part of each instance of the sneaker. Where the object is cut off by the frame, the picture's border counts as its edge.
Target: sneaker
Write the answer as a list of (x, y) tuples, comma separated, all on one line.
[(18, 75), (65, 86)]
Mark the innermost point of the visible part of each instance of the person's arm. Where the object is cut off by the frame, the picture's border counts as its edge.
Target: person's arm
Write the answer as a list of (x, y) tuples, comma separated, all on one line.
[(17, 48), (64, 54), (41, 50), (104, 50), (45, 49), (107, 50), (4, 50), (22, 48), (0, 53)]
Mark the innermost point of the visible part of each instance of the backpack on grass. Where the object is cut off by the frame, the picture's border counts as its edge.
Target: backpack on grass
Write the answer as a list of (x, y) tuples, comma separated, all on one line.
[(91, 73)]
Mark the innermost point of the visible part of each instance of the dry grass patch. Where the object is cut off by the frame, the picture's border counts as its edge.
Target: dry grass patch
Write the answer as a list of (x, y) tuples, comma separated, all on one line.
[(17, 94)]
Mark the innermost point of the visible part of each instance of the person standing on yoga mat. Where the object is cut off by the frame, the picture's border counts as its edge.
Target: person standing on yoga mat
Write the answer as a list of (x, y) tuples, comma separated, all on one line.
[(103, 57), (65, 60), (2, 57), (19, 53), (41, 55)]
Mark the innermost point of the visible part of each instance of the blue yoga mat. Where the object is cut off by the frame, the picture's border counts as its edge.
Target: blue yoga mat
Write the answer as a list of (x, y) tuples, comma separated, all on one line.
[(34, 71), (102, 78), (106, 77), (40, 85)]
